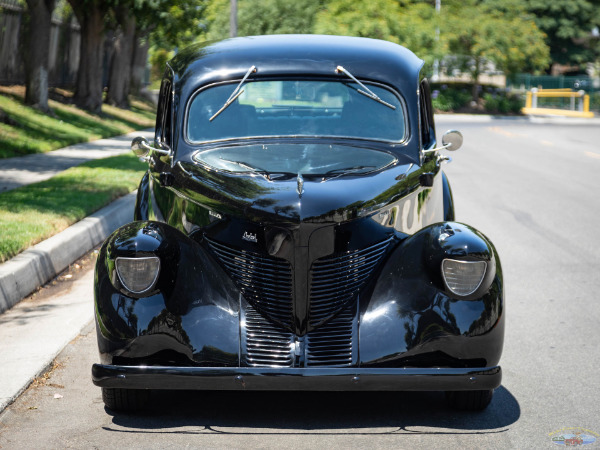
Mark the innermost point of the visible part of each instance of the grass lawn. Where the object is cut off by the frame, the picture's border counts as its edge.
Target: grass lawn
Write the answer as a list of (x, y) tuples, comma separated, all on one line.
[(35, 212), (24, 130)]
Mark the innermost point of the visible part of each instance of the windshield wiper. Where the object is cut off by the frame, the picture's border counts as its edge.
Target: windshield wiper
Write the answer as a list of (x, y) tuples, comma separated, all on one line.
[(257, 170), (367, 92), (235, 94), (345, 171)]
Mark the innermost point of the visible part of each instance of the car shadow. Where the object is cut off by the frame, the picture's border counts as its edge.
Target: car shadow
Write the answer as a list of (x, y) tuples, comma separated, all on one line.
[(315, 412)]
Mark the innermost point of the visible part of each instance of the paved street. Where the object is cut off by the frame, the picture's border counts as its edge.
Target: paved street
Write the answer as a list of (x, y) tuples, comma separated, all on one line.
[(533, 189)]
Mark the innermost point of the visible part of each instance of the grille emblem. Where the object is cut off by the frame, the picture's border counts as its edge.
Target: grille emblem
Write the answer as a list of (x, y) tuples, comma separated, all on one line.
[(250, 237)]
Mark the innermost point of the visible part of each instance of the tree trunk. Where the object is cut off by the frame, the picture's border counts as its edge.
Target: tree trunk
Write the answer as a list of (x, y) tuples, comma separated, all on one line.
[(475, 76), (36, 58), (120, 69), (138, 62), (88, 89)]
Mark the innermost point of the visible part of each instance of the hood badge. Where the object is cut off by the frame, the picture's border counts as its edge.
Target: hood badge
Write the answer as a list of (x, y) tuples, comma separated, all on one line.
[(250, 237), (300, 185)]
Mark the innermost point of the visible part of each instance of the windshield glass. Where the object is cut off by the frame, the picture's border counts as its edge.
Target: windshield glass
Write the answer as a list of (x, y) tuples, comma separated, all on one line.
[(306, 159), (295, 108)]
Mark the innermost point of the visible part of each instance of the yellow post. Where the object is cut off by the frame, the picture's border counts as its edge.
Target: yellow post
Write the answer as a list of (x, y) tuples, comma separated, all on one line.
[(586, 103), (528, 100)]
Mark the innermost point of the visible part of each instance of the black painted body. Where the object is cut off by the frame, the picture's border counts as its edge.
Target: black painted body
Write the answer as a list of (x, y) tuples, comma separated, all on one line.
[(401, 315)]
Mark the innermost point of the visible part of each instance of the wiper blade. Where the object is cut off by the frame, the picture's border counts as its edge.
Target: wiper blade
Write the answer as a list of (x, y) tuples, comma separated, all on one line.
[(235, 94), (257, 170), (345, 171), (367, 92)]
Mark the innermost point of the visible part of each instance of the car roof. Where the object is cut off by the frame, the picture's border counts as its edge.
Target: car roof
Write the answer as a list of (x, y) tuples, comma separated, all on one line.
[(368, 59)]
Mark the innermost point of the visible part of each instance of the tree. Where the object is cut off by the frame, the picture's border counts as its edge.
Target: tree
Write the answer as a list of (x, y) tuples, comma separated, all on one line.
[(499, 31), (36, 57), (568, 25), (119, 80), (264, 17), (409, 24), (379, 21), (91, 15), (165, 25)]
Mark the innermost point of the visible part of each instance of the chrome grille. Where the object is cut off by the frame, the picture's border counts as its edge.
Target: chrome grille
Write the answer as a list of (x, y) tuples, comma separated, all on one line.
[(266, 344), (335, 280), (265, 281), (331, 344)]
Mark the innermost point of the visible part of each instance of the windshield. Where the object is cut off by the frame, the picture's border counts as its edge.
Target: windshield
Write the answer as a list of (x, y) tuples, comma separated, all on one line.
[(307, 159), (295, 108)]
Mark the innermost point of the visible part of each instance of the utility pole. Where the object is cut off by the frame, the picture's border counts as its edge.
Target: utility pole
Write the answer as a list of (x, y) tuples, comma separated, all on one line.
[(233, 19), (436, 63)]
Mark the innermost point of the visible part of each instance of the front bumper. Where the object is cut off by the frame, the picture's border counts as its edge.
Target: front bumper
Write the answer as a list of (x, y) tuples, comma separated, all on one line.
[(296, 379)]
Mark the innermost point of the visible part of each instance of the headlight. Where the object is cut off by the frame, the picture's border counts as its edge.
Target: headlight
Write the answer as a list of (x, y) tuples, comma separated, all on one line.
[(463, 277), (138, 275)]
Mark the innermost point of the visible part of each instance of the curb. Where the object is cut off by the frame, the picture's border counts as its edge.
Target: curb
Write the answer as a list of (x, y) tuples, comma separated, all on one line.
[(27, 271), (537, 119)]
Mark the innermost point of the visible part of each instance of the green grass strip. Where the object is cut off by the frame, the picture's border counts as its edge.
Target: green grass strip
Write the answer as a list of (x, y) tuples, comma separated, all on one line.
[(25, 130), (35, 212)]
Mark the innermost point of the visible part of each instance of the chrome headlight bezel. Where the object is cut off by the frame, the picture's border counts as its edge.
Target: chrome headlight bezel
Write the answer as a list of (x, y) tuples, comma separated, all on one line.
[(472, 286), (128, 284)]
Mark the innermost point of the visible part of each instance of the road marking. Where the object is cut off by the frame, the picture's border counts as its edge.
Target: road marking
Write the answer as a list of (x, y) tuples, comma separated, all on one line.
[(502, 131), (592, 155)]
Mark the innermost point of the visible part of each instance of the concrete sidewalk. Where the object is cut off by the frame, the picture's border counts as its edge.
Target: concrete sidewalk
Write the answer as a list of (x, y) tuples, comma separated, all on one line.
[(34, 332), (23, 170)]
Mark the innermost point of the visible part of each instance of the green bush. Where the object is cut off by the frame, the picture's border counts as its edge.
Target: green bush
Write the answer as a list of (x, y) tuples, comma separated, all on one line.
[(450, 98), (595, 101), (456, 96), (502, 102)]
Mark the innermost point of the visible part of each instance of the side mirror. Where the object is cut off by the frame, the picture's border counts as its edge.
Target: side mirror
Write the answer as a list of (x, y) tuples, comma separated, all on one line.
[(140, 147), (452, 140)]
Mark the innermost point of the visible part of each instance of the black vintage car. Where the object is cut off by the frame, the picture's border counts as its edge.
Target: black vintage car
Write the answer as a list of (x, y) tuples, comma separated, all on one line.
[(294, 231)]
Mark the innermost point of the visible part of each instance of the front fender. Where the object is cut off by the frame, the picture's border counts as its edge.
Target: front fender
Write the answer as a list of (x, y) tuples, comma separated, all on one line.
[(412, 318), (179, 321)]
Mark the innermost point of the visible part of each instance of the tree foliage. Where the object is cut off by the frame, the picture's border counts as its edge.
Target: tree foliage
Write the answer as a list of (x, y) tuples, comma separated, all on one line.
[(262, 17), (411, 24), (499, 31), (568, 25)]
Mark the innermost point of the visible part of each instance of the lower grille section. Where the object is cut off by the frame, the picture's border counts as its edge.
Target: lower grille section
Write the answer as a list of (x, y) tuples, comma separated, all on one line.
[(331, 344), (267, 345)]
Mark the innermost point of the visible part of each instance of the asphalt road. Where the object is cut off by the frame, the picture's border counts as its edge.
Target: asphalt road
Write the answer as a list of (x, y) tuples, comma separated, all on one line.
[(533, 189)]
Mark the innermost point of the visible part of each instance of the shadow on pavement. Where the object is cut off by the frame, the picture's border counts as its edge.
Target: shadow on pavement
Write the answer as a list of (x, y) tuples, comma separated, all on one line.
[(315, 413)]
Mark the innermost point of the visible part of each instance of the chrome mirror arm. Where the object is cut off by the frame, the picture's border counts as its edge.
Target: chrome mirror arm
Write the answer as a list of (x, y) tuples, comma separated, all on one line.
[(141, 148), (451, 140)]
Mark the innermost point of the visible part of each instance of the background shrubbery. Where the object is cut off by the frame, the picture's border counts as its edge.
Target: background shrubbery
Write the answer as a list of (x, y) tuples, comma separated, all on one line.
[(457, 97)]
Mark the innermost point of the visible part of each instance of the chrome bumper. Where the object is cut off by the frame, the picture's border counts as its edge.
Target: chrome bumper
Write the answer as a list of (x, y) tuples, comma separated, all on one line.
[(296, 379)]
